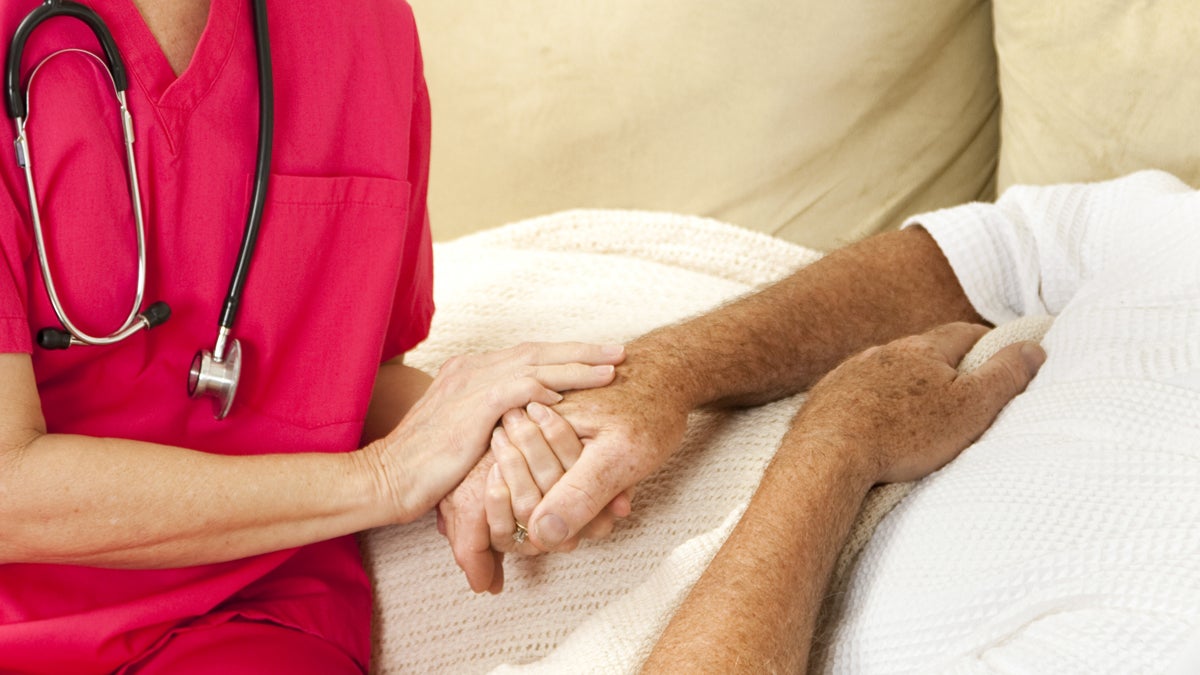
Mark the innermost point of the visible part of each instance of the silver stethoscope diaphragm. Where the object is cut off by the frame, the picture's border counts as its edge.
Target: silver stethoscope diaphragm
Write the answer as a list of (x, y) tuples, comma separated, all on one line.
[(217, 375)]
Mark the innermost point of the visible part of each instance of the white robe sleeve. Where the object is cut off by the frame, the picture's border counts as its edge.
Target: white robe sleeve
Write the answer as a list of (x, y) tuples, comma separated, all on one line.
[(1029, 253)]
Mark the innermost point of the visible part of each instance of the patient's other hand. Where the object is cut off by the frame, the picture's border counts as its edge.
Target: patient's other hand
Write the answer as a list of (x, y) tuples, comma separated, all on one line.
[(905, 410)]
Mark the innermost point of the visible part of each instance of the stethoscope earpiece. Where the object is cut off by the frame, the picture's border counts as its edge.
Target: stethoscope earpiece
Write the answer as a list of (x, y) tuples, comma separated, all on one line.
[(156, 314), (56, 338), (53, 338)]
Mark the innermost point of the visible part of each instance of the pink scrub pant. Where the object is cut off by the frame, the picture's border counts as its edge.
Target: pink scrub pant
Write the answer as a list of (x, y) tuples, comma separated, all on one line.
[(238, 647)]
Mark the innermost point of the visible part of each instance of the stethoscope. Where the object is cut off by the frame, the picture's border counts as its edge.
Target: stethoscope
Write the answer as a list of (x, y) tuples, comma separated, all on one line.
[(214, 373)]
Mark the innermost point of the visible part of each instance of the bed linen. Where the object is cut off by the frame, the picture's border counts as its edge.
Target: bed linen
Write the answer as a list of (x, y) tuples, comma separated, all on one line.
[(610, 275)]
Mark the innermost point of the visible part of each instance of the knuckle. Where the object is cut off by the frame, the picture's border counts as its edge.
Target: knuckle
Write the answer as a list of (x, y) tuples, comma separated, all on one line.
[(503, 396), (547, 478), (499, 535), (582, 497), (497, 493), (530, 387), (493, 397), (522, 432), (523, 506), (557, 436), (509, 459)]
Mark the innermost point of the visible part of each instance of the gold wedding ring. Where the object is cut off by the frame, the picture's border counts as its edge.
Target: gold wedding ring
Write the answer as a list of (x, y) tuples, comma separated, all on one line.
[(520, 533)]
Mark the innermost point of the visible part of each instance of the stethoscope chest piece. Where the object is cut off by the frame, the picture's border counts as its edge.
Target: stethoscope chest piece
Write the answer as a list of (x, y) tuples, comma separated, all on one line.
[(216, 377)]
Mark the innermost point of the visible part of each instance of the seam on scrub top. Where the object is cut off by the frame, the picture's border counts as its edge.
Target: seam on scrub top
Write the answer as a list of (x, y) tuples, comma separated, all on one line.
[(301, 202)]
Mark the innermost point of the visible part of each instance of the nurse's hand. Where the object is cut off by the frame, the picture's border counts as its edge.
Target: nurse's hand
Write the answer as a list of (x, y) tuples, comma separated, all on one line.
[(449, 428)]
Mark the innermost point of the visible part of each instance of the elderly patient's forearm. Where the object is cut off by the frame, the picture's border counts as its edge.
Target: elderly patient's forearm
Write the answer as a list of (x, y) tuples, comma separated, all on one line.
[(780, 341), (117, 503), (755, 607)]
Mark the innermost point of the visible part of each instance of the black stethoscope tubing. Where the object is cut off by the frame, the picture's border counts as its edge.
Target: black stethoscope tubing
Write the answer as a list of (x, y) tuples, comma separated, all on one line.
[(49, 9), (262, 166)]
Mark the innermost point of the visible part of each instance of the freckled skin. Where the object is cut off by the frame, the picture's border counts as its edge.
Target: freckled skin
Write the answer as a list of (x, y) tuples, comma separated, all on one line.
[(894, 414), (757, 349)]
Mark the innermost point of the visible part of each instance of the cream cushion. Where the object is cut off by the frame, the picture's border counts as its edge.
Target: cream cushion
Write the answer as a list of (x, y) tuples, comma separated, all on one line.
[(820, 122), (1095, 89)]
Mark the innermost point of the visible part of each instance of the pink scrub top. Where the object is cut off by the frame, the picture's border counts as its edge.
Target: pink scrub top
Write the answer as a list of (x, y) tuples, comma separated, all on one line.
[(342, 280)]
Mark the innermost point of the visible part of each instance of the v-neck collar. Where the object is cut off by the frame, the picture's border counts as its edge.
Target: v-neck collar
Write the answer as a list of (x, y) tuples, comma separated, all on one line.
[(148, 66)]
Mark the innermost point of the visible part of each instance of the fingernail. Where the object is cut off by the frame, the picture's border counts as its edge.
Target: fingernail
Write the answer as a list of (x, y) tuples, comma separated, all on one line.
[(1033, 355), (539, 412), (603, 371), (551, 530), (612, 350), (556, 397)]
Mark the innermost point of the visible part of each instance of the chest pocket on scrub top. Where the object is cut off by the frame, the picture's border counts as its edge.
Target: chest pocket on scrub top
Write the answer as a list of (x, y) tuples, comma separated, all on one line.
[(319, 296)]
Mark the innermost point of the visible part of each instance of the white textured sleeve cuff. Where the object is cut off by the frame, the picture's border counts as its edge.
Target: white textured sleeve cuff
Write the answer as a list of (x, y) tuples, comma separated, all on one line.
[(994, 257)]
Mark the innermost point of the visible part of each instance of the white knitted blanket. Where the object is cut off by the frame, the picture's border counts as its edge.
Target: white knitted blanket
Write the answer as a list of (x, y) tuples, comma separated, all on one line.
[(597, 276)]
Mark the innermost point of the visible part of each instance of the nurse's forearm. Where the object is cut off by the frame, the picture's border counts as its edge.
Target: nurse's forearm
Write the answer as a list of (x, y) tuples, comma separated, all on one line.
[(119, 503)]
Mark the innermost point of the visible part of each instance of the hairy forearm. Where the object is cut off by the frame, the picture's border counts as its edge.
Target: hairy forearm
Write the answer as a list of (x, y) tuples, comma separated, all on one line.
[(119, 503), (780, 341), (755, 607)]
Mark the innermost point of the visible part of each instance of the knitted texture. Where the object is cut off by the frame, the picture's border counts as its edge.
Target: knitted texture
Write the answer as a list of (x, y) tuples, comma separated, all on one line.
[(586, 275), (597, 276), (882, 499), (1064, 541)]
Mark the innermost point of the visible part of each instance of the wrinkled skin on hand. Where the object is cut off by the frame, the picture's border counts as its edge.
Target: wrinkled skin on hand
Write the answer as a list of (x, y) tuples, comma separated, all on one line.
[(627, 429), (892, 413), (905, 408), (447, 430)]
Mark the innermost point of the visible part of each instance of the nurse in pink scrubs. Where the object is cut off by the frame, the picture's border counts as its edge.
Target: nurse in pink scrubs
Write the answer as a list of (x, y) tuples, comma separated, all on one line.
[(137, 533)]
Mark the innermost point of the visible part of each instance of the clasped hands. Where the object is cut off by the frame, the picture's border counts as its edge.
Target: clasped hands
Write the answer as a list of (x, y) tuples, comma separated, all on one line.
[(564, 473)]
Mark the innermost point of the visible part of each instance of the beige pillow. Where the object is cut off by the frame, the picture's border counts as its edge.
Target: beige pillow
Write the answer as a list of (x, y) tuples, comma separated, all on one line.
[(1096, 89), (817, 121)]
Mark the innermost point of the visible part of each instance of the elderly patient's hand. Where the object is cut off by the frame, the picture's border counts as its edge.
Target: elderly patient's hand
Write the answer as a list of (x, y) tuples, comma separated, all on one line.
[(911, 388), (628, 430), (905, 410)]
